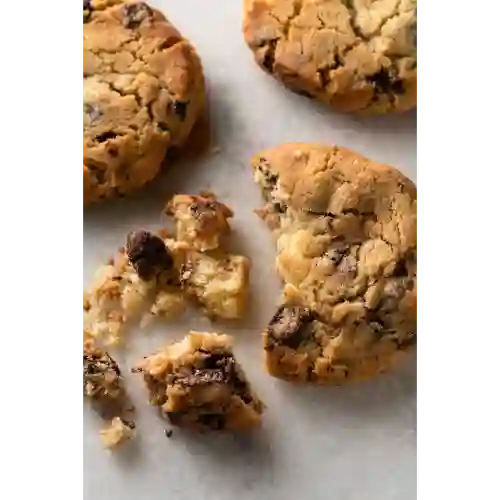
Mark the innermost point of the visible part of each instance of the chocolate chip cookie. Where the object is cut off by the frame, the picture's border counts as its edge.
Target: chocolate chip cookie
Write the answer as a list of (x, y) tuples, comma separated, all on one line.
[(143, 91), (347, 251), (200, 386), (355, 55)]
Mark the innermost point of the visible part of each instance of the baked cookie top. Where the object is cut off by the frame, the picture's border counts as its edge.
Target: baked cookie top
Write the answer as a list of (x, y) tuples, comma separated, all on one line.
[(355, 55), (347, 250), (142, 93)]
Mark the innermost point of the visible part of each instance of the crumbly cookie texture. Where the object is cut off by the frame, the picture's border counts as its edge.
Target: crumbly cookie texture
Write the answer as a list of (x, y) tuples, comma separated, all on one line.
[(117, 432), (143, 91), (200, 386), (201, 220), (155, 275), (102, 379), (141, 281), (218, 283), (355, 55), (345, 228)]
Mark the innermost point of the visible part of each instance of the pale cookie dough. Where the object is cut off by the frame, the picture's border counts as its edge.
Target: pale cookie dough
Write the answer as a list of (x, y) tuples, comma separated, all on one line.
[(354, 55), (143, 91), (347, 251), (199, 385)]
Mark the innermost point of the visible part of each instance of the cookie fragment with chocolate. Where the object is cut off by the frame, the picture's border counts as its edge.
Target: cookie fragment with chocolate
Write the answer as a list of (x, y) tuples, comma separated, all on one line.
[(202, 221), (102, 379), (199, 385)]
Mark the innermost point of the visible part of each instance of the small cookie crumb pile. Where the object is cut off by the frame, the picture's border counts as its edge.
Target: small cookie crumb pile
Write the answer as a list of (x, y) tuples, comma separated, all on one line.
[(345, 229), (155, 275), (200, 386), (117, 432)]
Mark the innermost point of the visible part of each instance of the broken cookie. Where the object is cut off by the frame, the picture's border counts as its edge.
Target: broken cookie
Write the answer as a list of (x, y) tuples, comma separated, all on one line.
[(201, 220), (199, 385), (345, 228)]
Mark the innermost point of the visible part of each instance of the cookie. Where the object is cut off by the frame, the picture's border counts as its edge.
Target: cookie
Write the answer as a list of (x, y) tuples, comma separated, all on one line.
[(143, 91), (345, 228), (200, 386), (354, 55)]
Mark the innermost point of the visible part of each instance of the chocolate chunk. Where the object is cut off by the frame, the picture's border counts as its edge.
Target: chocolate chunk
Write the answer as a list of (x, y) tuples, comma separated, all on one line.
[(106, 136), (385, 83), (135, 14), (289, 325), (87, 9), (148, 254), (180, 109)]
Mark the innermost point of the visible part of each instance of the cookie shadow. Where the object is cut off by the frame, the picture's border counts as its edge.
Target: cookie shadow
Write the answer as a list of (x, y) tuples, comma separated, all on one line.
[(232, 452), (381, 399)]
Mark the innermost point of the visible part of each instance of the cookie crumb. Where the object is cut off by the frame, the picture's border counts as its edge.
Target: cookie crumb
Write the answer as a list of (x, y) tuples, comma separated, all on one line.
[(117, 432)]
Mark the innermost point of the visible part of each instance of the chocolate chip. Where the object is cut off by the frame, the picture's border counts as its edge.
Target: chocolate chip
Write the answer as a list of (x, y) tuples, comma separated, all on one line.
[(169, 432), (148, 254), (135, 14), (87, 9), (386, 83), (289, 325), (180, 109)]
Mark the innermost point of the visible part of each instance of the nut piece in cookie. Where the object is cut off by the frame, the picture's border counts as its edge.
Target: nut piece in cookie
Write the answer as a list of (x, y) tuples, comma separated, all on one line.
[(355, 56), (201, 220), (347, 252), (200, 386), (102, 380), (218, 283), (117, 432), (148, 255)]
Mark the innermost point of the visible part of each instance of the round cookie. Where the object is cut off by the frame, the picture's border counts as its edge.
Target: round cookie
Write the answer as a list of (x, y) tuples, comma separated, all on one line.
[(346, 231), (143, 91), (355, 55)]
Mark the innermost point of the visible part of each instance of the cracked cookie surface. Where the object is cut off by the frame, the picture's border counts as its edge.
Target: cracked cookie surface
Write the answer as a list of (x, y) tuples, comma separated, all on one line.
[(347, 249), (199, 385), (355, 55), (143, 91)]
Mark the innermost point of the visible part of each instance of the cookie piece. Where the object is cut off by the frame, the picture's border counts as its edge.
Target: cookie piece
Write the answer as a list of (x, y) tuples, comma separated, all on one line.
[(136, 283), (102, 379), (217, 282), (201, 220), (347, 251), (200, 386), (117, 432), (143, 91), (354, 55)]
